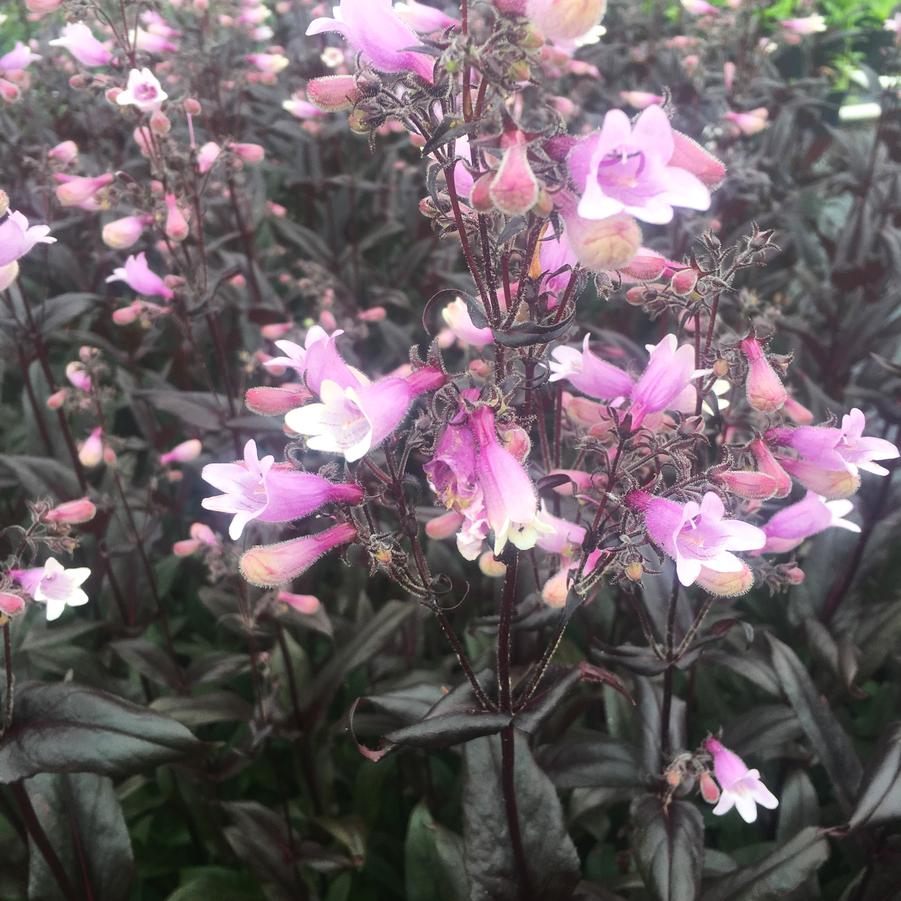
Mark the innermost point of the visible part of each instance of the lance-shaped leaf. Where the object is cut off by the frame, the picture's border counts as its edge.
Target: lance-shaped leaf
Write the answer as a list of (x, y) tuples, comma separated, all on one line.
[(668, 844), (550, 857), (67, 728), (82, 818), (592, 760), (780, 872), (880, 795), (434, 860), (822, 729)]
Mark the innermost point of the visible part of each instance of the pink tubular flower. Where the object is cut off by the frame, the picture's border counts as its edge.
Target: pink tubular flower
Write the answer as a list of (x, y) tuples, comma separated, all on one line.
[(699, 7), (741, 787), (72, 512), (840, 449), (137, 274), (696, 535), (641, 99), (74, 190), (302, 603), (54, 585), (79, 40), (186, 452), (590, 374), (90, 454), (804, 26), (271, 401), (17, 238), (176, 224), (152, 42), (201, 536), (668, 373), (514, 188), (749, 123), (764, 388), (259, 489), (790, 526), (77, 376), (626, 168), (565, 20), (207, 156), (18, 59), (354, 419), (456, 316), (726, 585), (511, 502), (120, 234), (268, 566), (373, 28), (832, 484), (143, 91), (422, 18), (331, 93)]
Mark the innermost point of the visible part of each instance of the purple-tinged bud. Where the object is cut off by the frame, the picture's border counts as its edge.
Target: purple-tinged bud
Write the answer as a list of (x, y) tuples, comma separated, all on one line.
[(332, 93), (765, 390), (64, 152), (121, 234), (514, 188), (269, 566), (276, 401), (71, 512), (57, 399), (252, 154)]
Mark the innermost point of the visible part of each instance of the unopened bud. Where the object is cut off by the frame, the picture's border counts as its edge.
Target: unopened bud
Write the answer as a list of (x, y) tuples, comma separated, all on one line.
[(765, 390), (332, 93), (191, 106), (684, 281), (720, 369), (603, 244), (490, 566), (710, 791), (72, 512), (480, 196)]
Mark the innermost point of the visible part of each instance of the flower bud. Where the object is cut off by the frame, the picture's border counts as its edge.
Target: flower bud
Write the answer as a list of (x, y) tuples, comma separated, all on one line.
[(768, 464), (765, 390), (191, 106), (90, 454), (252, 154), (748, 484), (797, 412), (634, 571), (64, 152), (332, 93), (480, 195), (514, 188), (159, 123), (565, 20), (176, 223), (444, 526), (57, 399), (603, 244), (72, 512), (710, 791), (276, 330), (726, 585), (276, 401), (373, 314), (684, 281), (831, 484), (186, 547), (125, 232), (794, 575), (490, 566), (302, 603), (207, 156), (11, 604), (186, 452)]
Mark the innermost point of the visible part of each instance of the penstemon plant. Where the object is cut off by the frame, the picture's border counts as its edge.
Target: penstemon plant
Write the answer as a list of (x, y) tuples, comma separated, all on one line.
[(591, 434)]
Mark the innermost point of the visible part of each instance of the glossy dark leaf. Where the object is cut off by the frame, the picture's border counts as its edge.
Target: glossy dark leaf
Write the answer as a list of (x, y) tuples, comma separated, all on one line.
[(553, 866), (434, 860), (880, 791), (798, 805), (592, 760), (534, 332), (149, 660), (448, 729), (827, 738), (41, 477), (83, 820), (67, 728), (668, 843), (778, 873)]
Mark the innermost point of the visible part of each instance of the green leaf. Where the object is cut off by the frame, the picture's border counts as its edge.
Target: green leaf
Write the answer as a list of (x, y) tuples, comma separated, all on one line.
[(40, 476), (822, 729), (798, 805), (83, 820), (776, 874), (551, 859), (668, 844), (198, 710), (591, 760), (218, 883), (434, 860), (67, 728), (880, 794), (448, 729)]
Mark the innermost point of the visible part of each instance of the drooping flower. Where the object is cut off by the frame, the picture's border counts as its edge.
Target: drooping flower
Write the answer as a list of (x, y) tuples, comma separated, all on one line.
[(627, 169), (269, 566), (79, 40), (260, 489), (373, 28), (54, 585), (668, 373), (741, 788), (143, 91), (839, 449), (137, 274), (511, 502), (787, 528), (355, 419), (696, 535), (17, 237), (589, 374)]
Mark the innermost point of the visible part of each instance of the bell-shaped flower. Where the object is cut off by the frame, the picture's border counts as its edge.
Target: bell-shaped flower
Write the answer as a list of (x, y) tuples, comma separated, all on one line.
[(260, 489), (355, 419), (207, 156), (843, 448), (764, 388), (786, 529), (90, 452), (422, 18), (627, 169), (696, 535), (373, 28), (143, 91), (18, 59), (120, 234), (302, 603), (176, 227), (54, 585), (71, 512), (667, 375), (269, 566), (79, 40), (602, 243), (456, 317), (17, 237), (749, 123), (589, 373), (511, 502), (740, 787), (514, 188), (832, 484), (137, 274), (726, 585)]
